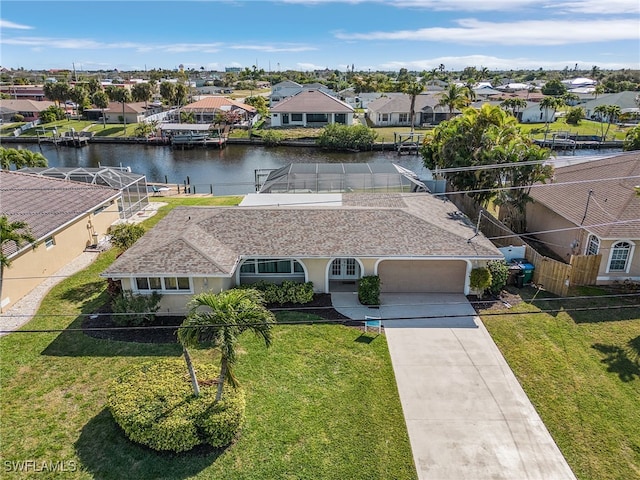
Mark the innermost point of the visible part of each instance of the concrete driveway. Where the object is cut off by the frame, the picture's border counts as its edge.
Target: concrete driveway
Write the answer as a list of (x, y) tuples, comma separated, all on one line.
[(466, 414)]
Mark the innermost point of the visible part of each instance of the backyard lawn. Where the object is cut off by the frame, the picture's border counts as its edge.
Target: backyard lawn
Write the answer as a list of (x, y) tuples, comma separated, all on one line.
[(581, 370), (321, 402)]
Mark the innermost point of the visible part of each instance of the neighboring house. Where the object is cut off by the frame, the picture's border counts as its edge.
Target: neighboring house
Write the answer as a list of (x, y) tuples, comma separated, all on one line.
[(625, 100), (288, 88), (395, 111), (311, 108), (134, 112), (532, 113), (363, 99), (24, 92), (592, 208), (414, 242), (207, 110), (29, 109), (65, 218)]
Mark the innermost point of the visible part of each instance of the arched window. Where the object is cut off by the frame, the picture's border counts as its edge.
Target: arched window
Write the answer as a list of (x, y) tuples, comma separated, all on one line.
[(619, 259), (593, 245)]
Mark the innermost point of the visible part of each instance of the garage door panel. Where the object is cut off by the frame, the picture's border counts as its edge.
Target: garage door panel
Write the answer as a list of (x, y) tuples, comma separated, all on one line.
[(436, 276)]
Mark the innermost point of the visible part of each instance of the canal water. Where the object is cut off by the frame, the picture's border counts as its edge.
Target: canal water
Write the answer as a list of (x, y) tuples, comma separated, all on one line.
[(228, 171)]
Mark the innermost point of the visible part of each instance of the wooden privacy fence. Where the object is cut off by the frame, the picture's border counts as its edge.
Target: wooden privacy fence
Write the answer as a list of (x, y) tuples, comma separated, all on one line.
[(554, 276)]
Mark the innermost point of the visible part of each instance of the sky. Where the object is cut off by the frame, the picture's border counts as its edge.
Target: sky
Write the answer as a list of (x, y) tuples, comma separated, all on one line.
[(307, 35)]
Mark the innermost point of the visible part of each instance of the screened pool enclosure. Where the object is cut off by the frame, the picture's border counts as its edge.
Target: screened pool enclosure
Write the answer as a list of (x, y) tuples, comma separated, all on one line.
[(132, 185), (338, 177)]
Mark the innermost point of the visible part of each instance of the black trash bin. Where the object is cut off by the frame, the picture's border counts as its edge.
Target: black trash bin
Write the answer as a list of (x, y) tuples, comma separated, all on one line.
[(520, 280)]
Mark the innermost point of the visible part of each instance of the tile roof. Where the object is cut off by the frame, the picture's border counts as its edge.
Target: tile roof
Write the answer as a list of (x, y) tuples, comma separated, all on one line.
[(613, 198), (47, 204), (312, 101), (216, 103), (212, 240)]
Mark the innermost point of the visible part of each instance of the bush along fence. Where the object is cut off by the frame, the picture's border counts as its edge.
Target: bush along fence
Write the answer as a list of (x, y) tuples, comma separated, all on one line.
[(552, 275)]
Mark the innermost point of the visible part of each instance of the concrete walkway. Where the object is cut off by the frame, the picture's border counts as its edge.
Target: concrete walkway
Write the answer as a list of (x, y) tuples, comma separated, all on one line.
[(466, 414)]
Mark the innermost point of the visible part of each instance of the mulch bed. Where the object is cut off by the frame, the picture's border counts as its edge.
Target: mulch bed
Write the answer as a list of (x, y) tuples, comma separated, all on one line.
[(507, 298), (104, 327)]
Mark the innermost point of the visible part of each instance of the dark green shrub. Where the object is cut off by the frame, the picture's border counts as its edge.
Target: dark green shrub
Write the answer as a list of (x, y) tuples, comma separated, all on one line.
[(154, 405), (369, 290), (574, 115), (135, 310), (124, 235), (287, 292), (272, 138), (480, 279), (499, 274), (17, 118), (346, 137)]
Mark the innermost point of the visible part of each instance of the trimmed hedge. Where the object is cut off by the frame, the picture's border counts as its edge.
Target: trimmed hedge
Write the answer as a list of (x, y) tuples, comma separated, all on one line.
[(369, 290), (287, 292), (480, 279), (499, 275), (154, 405)]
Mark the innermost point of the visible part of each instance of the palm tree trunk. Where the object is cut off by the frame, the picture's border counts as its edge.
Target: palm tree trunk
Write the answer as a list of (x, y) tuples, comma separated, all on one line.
[(1, 277), (221, 379), (192, 372)]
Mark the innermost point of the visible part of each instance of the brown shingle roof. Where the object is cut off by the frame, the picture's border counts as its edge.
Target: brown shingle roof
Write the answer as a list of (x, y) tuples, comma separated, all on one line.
[(312, 101), (47, 204), (613, 198), (212, 240)]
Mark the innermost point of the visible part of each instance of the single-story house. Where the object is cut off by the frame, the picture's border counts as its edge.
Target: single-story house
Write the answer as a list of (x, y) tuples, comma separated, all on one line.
[(624, 100), (363, 99), (395, 110), (592, 208), (134, 112), (288, 88), (24, 92), (29, 109), (208, 109), (311, 108), (65, 217), (414, 242)]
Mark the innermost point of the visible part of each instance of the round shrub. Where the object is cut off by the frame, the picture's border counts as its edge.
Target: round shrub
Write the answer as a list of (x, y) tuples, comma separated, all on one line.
[(480, 279), (154, 405)]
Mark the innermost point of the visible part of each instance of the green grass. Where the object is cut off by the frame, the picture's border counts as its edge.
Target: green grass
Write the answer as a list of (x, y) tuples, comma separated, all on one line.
[(321, 402), (586, 127), (581, 370)]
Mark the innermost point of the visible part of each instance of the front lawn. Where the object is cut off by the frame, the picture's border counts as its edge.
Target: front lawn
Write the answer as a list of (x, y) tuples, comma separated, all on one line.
[(321, 402), (581, 370)]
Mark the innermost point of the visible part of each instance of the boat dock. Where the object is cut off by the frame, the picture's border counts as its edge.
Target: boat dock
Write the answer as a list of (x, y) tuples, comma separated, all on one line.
[(566, 141)]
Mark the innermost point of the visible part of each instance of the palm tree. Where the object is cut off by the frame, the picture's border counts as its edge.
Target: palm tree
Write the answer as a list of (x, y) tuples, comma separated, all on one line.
[(455, 97), (101, 100), (20, 158), (413, 89), (546, 104), (217, 320), (17, 232), (514, 105), (598, 90), (611, 113)]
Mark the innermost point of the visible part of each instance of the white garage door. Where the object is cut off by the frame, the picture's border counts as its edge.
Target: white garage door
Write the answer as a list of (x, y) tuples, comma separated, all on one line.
[(439, 276)]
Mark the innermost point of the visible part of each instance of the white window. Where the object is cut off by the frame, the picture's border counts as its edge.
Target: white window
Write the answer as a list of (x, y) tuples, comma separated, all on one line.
[(619, 257), (162, 284), (593, 245), (50, 242)]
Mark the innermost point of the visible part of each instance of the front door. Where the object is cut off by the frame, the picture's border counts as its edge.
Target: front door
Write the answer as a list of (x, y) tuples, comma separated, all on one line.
[(344, 269), (285, 119)]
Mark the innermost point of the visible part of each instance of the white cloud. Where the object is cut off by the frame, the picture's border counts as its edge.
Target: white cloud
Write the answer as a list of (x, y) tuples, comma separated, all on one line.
[(309, 66), (527, 32), (6, 24), (601, 7), (458, 63)]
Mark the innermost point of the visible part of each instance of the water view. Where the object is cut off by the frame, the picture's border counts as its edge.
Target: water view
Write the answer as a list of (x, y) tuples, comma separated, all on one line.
[(230, 171)]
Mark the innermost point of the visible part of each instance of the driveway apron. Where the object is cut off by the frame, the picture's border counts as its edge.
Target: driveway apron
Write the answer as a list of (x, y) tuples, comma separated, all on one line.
[(466, 414)]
